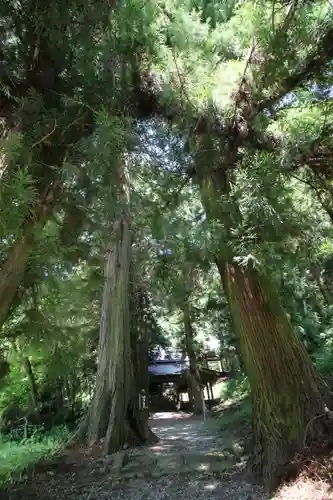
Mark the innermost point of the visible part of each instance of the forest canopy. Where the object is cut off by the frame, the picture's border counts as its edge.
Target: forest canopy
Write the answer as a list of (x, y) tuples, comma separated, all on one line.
[(166, 179)]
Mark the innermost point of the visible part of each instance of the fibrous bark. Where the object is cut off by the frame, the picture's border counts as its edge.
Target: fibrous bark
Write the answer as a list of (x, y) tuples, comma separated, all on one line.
[(114, 414), (291, 403)]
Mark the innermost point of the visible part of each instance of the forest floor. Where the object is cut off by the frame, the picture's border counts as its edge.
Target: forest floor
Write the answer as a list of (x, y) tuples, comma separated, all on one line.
[(191, 460)]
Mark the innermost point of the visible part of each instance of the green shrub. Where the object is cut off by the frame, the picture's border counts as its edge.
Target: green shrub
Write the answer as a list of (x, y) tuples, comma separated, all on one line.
[(324, 359), (235, 389), (15, 456), (235, 417)]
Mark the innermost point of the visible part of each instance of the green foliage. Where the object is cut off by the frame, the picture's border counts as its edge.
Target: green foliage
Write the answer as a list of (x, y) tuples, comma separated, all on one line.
[(324, 360), (237, 417), (21, 189), (15, 456), (16, 390), (159, 86), (235, 390), (323, 355)]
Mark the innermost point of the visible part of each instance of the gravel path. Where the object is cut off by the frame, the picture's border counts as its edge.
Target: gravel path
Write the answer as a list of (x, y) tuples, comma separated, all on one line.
[(89, 477), (185, 432)]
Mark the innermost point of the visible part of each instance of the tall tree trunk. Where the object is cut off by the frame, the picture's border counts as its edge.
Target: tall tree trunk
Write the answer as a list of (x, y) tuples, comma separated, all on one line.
[(194, 377), (12, 270), (290, 400), (114, 413), (47, 155)]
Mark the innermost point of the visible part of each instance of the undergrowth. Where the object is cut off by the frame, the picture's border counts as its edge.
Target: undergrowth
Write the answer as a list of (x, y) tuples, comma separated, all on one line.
[(16, 456), (235, 408), (232, 417), (234, 390), (236, 416)]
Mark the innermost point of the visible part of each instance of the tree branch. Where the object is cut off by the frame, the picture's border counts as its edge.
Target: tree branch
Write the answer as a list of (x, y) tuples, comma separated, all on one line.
[(314, 63), (146, 101)]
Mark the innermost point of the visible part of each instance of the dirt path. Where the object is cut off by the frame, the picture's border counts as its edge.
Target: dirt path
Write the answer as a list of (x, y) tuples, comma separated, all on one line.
[(189, 462), (186, 463)]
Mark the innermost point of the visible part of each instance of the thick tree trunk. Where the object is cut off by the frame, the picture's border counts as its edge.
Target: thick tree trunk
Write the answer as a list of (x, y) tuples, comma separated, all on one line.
[(114, 414), (12, 270), (194, 378), (47, 155), (290, 401), (114, 373)]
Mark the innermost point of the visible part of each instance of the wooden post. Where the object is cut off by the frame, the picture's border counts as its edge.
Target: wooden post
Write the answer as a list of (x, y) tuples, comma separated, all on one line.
[(207, 391), (211, 391)]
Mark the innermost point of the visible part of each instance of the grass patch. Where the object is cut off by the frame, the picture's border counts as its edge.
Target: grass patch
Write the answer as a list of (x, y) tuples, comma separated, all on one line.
[(232, 422), (15, 456), (236, 416), (232, 417)]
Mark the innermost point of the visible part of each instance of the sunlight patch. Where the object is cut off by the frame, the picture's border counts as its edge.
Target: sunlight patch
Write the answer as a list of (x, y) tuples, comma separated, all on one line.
[(210, 486)]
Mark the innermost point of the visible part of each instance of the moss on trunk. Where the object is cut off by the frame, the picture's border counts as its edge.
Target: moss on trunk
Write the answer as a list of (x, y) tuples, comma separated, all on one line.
[(290, 400)]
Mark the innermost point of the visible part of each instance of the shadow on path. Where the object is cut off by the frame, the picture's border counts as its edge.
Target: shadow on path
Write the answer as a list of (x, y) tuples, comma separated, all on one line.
[(184, 432), (187, 463)]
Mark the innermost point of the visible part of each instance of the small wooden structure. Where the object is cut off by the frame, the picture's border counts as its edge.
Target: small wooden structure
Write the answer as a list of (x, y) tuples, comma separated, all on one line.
[(166, 372), (224, 361)]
